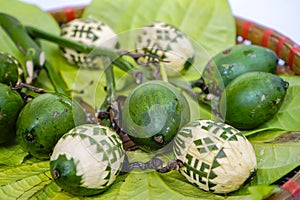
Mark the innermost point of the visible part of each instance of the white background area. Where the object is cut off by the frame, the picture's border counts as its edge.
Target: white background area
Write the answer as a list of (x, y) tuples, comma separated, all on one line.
[(280, 15)]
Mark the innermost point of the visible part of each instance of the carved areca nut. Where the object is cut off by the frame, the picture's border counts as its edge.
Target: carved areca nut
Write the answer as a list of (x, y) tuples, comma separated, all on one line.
[(87, 159), (216, 157), (89, 32), (167, 42)]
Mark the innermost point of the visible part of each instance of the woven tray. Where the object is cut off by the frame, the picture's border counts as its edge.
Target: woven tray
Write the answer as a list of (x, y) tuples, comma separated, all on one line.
[(285, 48)]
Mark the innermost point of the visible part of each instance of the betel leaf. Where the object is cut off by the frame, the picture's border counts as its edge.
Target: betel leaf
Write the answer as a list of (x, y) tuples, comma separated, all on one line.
[(262, 191), (94, 93), (209, 24), (275, 136), (23, 181), (153, 185), (12, 154), (266, 136), (275, 160), (291, 79), (32, 181)]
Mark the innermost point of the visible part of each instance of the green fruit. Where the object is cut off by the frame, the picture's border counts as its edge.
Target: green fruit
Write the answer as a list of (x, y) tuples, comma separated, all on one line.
[(11, 104), (153, 113), (240, 59), (44, 120), (9, 66), (87, 159), (253, 98), (216, 157)]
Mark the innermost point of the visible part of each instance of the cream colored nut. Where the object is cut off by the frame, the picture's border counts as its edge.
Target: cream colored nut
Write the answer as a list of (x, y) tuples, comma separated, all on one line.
[(216, 157), (90, 32), (168, 43)]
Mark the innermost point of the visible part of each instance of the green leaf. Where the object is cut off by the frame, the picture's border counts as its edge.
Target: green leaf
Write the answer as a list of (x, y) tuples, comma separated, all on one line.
[(262, 191), (274, 136), (266, 136), (275, 160), (78, 80), (153, 185), (210, 25), (31, 181), (291, 79), (12, 154), (23, 181)]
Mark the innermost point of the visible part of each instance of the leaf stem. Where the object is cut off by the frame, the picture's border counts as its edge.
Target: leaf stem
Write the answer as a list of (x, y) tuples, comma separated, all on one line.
[(38, 33), (163, 72), (28, 47), (113, 54), (55, 78), (34, 55), (110, 85)]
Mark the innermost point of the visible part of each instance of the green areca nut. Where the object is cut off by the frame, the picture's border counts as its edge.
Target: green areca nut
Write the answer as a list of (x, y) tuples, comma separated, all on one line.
[(153, 113), (11, 104), (252, 99), (9, 69), (44, 120)]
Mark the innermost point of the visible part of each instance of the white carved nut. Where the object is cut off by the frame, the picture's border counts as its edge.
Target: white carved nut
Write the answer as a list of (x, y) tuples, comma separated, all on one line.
[(87, 159), (216, 157), (168, 43), (89, 32)]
